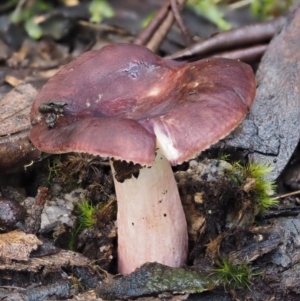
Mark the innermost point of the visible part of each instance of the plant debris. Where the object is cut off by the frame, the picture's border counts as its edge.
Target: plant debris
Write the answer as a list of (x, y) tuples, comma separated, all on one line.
[(17, 245), (15, 148)]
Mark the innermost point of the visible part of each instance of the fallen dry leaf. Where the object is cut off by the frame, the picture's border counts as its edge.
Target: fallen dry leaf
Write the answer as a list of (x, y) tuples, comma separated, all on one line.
[(15, 147), (15, 109)]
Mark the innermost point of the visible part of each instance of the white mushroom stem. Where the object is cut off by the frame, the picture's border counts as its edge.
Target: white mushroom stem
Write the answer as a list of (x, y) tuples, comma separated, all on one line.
[(151, 221)]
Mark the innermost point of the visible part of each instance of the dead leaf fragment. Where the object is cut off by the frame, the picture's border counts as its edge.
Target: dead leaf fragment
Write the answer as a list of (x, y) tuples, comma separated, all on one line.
[(17, 245), (15, 109), (13, 81), (15, 147)]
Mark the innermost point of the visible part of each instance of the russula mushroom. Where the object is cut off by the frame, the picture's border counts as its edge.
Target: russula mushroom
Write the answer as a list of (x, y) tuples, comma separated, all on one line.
[(126, 103)]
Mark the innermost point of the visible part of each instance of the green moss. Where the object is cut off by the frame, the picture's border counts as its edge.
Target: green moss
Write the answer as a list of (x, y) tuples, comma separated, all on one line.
[(263, 189), (54, 164), (86, 219), (86, 214), (59, 173), (234, 276), (253, 176), (224, 157), (73, 239)]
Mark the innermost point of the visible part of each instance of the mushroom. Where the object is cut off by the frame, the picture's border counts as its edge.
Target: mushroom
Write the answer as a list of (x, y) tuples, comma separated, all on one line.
[(126, 103)]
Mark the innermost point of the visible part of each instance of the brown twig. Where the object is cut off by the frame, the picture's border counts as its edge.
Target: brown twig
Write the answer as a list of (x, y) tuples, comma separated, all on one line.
[(182, 27), (249, 54), (34, 224), (159, 35), (162, 31), (287, 194), (145, 35), (153, 35), (240, 37)]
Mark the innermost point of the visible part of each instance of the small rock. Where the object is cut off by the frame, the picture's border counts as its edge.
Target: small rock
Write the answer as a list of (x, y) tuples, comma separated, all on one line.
[(60, 209), (11, 213)]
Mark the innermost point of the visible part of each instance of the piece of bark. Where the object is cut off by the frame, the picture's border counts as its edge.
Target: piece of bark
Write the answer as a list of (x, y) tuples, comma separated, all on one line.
[(33, 221), (58, 290), (62, 259), (17, 245), (272, 129), (86, 296), (154, 278), (268, 240)]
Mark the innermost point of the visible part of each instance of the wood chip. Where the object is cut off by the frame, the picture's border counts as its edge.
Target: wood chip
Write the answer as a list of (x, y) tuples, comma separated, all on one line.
[(17, 245), (13, 81)]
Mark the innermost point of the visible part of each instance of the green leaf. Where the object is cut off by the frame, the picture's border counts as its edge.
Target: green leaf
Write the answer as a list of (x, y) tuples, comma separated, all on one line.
[(266, 9), (211, 10), (33, 29), (100, 9)]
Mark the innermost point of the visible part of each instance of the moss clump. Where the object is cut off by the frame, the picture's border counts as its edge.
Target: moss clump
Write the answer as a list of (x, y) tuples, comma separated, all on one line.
[(87, 218), (252, 180), (234, 276)]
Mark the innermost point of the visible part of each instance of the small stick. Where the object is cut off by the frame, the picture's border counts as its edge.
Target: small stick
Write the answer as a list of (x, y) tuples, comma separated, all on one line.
[(287, 194), (182, 27), (239, 37), (33, 225), (145, 35), (158, 37), (249, 54), (160, 34)]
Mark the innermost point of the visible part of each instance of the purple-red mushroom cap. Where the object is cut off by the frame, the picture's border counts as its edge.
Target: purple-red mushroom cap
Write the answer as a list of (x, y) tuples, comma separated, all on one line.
[(123, 101)]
